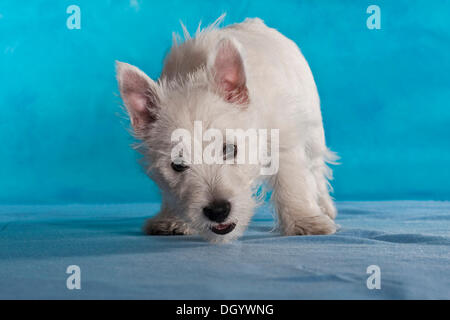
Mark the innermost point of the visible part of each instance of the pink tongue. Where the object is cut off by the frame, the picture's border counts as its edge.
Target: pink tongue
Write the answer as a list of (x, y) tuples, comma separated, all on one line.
[(221, 226)]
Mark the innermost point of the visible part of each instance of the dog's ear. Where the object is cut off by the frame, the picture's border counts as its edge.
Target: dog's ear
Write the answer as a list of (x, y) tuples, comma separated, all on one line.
[(138, 93), (226, 66)]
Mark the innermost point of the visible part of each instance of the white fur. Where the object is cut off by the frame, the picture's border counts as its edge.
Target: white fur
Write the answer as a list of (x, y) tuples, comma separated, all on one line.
[(282, 95)]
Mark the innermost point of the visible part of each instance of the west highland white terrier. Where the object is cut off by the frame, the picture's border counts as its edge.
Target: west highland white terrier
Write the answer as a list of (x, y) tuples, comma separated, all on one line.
[(243, 78)]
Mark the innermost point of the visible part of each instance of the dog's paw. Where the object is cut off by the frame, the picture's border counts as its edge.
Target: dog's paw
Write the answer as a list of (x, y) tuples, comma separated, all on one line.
[(315, 225), (157, 226)]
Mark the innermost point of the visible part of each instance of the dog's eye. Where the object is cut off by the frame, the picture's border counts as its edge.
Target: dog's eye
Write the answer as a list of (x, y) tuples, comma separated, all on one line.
[(178, 166), (229, 151)]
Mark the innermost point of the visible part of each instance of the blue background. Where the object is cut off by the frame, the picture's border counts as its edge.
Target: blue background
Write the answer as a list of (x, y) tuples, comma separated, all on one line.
[(63, 138)]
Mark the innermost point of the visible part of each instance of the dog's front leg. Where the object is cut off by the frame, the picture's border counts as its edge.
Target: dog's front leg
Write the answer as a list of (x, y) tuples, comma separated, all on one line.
[(295, 198), (165, 223)]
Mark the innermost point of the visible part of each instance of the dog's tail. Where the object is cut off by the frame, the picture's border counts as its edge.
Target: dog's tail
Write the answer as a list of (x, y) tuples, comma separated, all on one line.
[(330, 157)]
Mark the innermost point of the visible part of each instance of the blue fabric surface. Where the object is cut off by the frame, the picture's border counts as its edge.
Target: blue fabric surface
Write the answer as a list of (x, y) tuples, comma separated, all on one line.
[(409, 241), (384, 92)]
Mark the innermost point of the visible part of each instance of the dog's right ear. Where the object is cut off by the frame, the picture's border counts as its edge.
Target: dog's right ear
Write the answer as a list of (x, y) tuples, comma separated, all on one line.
[(138, 93), (227, 67)]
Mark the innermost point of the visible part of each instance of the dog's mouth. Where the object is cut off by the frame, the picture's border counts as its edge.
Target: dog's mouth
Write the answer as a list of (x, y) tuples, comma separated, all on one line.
[(223, 228)]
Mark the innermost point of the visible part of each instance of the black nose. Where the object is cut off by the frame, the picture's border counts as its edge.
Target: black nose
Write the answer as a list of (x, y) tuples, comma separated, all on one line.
[(218, 210)]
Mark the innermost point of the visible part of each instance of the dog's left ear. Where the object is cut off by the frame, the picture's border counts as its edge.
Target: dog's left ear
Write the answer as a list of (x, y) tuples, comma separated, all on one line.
[(226, 66), (139, 95)]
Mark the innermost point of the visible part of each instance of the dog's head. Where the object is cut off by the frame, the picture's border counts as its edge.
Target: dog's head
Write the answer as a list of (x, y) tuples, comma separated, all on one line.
[(213, 198)]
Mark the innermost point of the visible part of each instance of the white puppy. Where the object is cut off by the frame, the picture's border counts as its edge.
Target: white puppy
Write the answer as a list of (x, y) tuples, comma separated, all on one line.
[(245, 76)]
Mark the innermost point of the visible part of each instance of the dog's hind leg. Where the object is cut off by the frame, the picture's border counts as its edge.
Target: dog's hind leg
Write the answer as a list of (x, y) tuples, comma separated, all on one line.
[(296, 197), (165, 223)]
